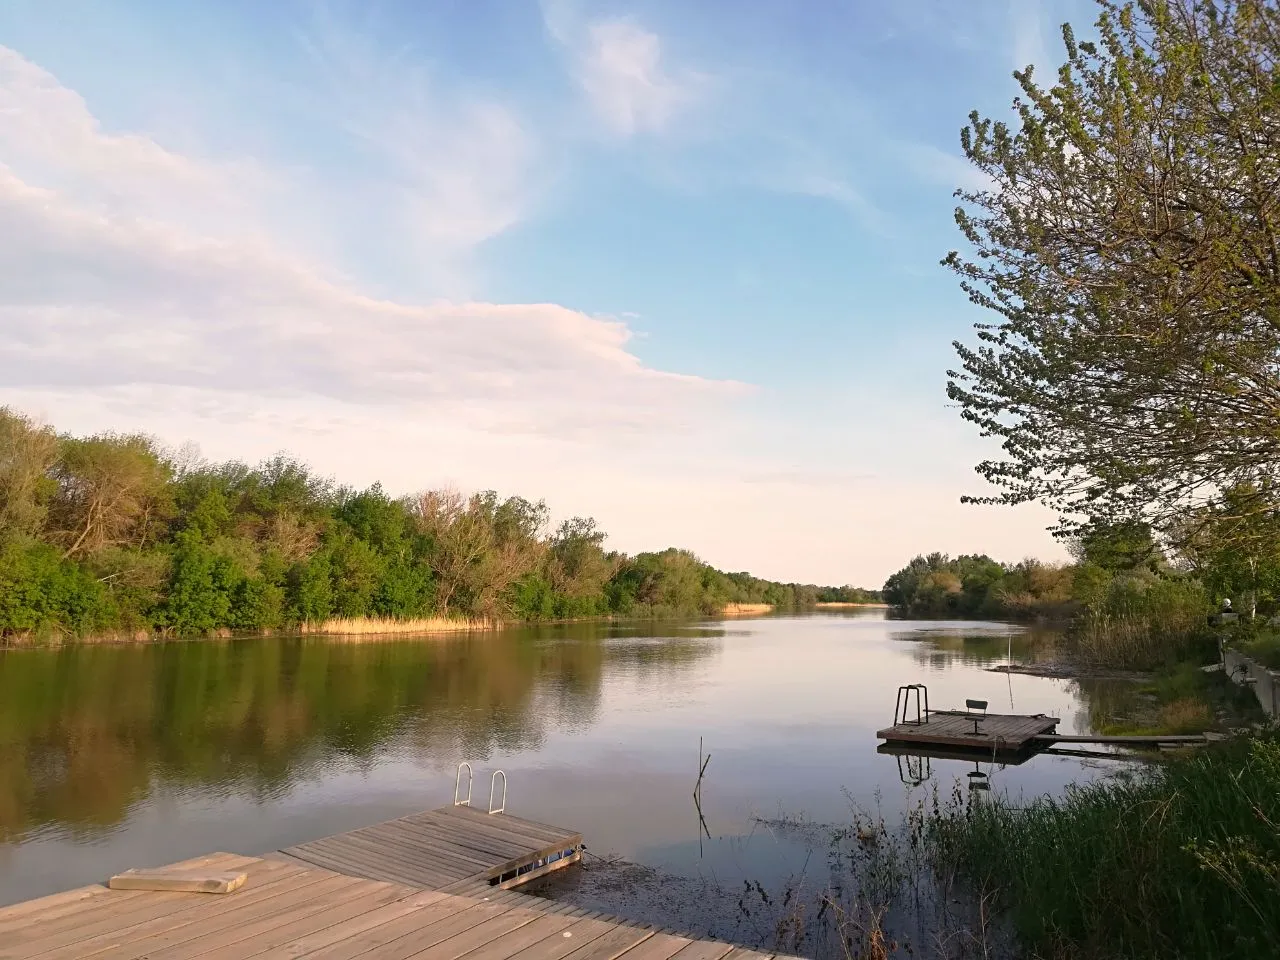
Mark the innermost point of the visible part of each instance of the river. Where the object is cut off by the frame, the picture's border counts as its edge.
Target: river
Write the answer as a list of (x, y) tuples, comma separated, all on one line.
[(122, 756)]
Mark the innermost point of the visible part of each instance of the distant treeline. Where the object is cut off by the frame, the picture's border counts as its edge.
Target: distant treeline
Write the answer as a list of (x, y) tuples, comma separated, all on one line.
[(111, 534), (1126, 603), (976, 586)]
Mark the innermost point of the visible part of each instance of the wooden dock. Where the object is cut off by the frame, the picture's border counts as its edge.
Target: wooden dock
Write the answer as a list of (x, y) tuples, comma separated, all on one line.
[(441, 849), (425, 887), (989, 733)]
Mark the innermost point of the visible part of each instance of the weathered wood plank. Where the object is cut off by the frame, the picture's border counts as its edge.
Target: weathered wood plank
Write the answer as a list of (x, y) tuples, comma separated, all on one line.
[(704, 950), (482, 831), (227, 937), (486, 844), (107, 937), (373, 849), (361, 942), (1008, 732), (475, 937), (201, 929), (169, 880), (522, 938), (120, 909), (344, 860), (611, 945), (558, 946), (74, 900), (457, 847), (312, 941), (505, 821), (660, 946)]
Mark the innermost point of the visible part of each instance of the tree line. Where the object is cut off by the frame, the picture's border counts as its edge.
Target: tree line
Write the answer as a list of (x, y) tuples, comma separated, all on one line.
[(113, 534)]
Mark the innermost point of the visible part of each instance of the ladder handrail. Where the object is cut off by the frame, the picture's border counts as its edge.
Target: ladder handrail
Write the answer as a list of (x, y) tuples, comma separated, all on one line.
[(493, 783), (903, 700), (457, 785)]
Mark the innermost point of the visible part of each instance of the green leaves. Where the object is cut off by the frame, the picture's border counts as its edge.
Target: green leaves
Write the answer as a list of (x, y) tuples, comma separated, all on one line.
[(1128, 248)]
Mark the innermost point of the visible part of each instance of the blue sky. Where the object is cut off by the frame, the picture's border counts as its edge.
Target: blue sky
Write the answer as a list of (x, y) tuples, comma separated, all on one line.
[(674, 265)]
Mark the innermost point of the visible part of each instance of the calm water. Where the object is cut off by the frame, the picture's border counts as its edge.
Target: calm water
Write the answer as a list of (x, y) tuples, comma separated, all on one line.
[(115, 757)]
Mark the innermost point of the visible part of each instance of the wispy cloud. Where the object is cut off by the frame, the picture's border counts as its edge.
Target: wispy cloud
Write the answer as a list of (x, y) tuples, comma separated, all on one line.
[(1028, 36), (938, 166), (447, 168), (622, 71)]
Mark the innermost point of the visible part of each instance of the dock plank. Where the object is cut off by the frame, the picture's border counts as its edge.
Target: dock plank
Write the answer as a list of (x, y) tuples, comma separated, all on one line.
[(661, 946), (705, 950), (204, 928), (113, 930), (118, 910), (995, 732), (441, 917), (522, 938)]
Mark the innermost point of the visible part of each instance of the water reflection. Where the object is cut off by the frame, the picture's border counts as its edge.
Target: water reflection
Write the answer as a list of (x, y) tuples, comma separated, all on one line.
[(113, 757), (87, 732)]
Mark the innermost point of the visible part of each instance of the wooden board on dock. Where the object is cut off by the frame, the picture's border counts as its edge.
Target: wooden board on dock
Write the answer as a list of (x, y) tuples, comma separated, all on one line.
[(286, 909), (169, 880), (438, 849), (995, 732)]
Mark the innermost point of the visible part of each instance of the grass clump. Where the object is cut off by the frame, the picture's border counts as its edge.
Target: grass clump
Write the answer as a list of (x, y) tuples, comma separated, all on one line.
[(1139, 621), (1179, 861), (1265, 649)]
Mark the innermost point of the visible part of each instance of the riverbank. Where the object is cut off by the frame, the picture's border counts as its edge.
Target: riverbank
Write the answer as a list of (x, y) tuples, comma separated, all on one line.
[(376, 627)]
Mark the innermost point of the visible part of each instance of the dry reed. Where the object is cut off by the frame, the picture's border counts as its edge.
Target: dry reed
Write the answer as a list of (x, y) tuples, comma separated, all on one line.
[(378, 626), (746, 609)]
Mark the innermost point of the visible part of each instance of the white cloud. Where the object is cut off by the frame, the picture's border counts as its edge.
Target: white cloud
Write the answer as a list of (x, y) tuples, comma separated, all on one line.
[(452, 169), (621, 70), (95, 297), (49, 137), (947, 169), (623, 74)]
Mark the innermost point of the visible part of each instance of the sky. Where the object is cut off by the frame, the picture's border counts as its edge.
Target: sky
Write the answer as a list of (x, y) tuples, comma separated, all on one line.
[(674, 266)]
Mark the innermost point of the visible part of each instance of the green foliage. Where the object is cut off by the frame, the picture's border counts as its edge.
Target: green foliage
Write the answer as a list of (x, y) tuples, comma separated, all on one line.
[(977, 586), (27, 451), (1124, 243), (43, 594), (1264, 647), (1179, 861), (106, 534), (1141, 620), (1126, 617), (202, 587)]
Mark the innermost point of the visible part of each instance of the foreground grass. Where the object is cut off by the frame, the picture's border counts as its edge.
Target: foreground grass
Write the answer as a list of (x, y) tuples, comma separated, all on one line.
[(1182, 860)]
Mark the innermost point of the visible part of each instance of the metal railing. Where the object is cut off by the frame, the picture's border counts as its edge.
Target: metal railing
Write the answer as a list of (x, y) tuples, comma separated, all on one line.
[(457, 786), (902, 704)]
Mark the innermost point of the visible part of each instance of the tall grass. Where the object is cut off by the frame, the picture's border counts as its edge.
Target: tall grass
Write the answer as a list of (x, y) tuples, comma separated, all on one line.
[(1179, 861), (746, 609), (1141, 622)]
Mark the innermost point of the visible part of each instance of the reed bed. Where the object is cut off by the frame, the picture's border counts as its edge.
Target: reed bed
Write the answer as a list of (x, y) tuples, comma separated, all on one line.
[(1179, 861), (746, 609), (382, 626)]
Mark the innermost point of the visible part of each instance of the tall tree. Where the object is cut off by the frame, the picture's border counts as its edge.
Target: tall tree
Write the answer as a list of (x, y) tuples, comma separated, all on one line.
[(111, 490), (27, 451), (1129, 243)]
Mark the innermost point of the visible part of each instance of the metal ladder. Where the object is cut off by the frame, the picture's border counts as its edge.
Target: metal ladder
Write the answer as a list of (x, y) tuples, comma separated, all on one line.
[(901, 704), (460, 801)]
